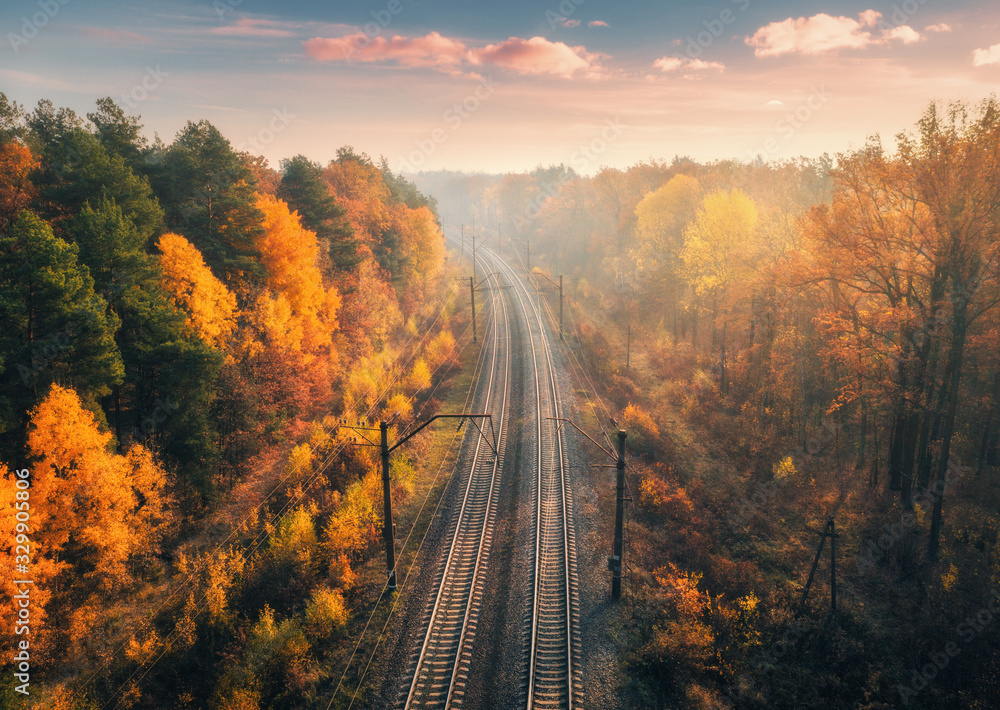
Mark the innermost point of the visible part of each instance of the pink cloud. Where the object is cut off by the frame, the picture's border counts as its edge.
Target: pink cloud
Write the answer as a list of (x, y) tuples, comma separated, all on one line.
[(869, 18), (825, 33), (904, 33), (249, 27), (942, 27), (432, 50), (808, 35), (524, 56), (536, 56), (986, 57), (598, 23), (109, 35), (669, 64)]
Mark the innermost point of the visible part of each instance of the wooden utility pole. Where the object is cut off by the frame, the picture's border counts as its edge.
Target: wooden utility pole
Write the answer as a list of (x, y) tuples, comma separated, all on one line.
[(615, 563), (560, 308), (387, 525), (388, 528), (829, 531), (472, 292)]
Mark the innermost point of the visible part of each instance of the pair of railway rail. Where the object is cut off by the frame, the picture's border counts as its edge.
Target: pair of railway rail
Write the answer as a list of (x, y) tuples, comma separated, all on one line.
[(441, 669)]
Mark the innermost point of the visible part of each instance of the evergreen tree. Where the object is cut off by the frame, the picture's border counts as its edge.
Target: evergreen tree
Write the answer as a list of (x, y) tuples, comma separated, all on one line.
[(120, 134), (169, 375), (303, 188), (56, 328), (209, 195), (76, 169)]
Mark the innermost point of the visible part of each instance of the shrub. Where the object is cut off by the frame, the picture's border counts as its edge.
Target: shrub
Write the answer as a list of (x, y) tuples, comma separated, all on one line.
[(295, 544), (326, 614)]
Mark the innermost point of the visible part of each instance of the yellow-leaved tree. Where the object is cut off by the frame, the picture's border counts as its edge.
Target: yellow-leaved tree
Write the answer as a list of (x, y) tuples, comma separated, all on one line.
[(209, 305), (661, 219), (721, 250)]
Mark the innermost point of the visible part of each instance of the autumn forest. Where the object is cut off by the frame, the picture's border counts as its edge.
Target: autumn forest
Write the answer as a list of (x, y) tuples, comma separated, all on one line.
[(804, 355)]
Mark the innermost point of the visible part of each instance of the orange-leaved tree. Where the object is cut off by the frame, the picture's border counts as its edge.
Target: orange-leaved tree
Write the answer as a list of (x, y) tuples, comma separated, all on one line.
[(16, 191), (300, 312), (209, 305), (95, 515)]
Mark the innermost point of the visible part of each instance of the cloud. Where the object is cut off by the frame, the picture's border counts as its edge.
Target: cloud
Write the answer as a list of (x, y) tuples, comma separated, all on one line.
[(869, 18), (537, 56), (904, 33), (432, 50), (567, 22), (250, 27), (669, 64), (825, 33), (938, 28), (986, 57), (109, 35), (775, 103), (525, 56), (598, 23)]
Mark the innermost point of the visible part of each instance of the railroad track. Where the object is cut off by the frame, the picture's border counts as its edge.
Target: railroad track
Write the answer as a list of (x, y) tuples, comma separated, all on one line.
[(553, 663), (440, 670)]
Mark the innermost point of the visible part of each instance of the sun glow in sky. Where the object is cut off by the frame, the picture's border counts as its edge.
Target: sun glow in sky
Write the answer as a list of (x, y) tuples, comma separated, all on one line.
[(495, 86)]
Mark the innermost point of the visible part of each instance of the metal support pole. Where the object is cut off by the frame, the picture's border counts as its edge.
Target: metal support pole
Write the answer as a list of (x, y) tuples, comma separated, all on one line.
[(560, 308), (527, 250), (472, 292), (463, 240), (833, 565), (473, 252), (615, 563), (387, 532)]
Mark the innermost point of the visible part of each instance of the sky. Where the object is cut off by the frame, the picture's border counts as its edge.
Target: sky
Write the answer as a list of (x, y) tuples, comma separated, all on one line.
[(507, 86)]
